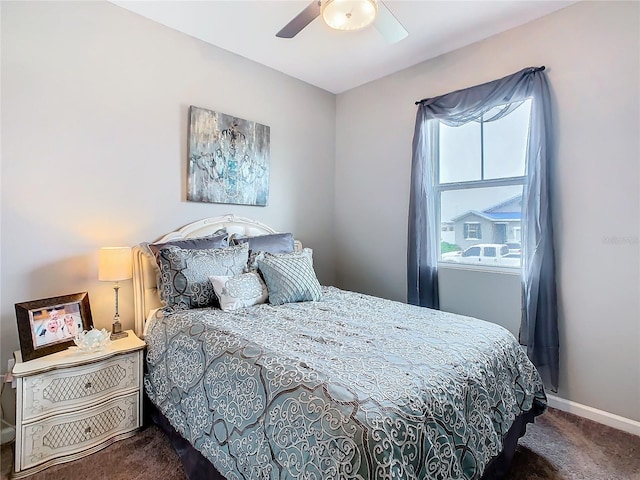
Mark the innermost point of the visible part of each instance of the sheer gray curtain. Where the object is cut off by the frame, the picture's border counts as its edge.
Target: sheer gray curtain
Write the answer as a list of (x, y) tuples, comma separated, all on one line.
[(422, 249), (539, 327)]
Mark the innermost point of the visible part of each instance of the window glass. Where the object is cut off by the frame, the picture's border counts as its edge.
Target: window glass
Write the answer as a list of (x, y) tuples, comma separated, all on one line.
[(505, 143), (487, 215), (481, 175), (471, 252), (460, 154)]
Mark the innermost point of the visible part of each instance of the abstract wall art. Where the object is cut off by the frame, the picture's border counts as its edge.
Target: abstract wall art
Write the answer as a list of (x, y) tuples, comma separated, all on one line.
[(228, 159)]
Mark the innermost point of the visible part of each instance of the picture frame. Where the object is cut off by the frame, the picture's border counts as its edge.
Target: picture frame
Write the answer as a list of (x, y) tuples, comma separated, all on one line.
[(228, 159), (49, 325)]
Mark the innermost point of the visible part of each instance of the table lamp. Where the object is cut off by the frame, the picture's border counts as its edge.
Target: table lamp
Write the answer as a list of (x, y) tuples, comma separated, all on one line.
[(114, 265)]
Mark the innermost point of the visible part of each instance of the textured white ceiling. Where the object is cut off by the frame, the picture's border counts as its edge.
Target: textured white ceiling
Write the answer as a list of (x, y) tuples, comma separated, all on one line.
[(338, 61)]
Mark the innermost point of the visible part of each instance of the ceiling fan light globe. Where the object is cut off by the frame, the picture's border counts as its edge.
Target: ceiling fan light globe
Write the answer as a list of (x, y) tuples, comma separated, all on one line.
[(349, 14)]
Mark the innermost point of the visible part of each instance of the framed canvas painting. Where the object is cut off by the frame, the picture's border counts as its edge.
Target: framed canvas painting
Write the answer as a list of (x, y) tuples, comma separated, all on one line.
[(228, 159)]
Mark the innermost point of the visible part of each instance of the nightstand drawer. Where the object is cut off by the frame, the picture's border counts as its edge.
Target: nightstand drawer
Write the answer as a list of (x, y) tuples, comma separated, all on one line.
[(63, 390), (68, 434)]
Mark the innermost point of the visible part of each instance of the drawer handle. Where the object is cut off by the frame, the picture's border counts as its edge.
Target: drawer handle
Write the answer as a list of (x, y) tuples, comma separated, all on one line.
[(87, 385), (87, 430)]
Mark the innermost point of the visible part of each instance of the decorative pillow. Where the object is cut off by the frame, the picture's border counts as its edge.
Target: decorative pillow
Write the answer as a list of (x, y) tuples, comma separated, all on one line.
[(272, 243), (184, 274), (254, 257), (289, 278), (239, 291), (219, 239)]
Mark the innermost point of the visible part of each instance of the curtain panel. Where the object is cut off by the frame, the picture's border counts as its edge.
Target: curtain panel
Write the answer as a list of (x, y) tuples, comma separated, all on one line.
[(539, 324)]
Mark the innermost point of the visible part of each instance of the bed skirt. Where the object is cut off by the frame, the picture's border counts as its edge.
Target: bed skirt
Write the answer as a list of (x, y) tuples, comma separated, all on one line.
[(197, 467)]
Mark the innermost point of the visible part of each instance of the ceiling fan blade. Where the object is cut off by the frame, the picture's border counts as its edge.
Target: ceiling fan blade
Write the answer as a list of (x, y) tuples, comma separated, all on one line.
[(388, 25), (304, 18)]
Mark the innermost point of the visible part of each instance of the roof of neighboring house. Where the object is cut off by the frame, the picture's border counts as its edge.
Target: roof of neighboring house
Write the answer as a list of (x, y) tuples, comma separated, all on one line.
[(504, 215), (515, 201), (490, 214), (470, 213)]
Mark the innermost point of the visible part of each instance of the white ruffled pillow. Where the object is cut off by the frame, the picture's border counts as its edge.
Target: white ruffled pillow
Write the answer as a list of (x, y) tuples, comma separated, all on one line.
[(239, 291)]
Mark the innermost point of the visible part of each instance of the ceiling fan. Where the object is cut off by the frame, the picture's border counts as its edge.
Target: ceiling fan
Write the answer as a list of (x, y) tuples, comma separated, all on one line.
[(348, 15)]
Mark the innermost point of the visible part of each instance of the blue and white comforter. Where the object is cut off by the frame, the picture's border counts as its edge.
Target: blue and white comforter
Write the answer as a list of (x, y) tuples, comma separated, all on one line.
[(352, 386)]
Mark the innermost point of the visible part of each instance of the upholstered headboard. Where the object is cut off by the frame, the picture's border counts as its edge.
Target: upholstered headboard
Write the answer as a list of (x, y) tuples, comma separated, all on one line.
[(145, 270)]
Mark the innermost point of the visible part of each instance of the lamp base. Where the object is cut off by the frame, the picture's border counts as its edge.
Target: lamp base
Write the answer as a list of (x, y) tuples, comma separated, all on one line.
[(116, 330), (116, 336)]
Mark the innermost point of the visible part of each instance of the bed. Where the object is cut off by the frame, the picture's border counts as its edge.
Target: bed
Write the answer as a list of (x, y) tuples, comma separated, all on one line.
[(345, 386)]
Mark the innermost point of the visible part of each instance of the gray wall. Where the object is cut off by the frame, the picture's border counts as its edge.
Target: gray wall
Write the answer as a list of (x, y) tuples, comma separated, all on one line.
[(94, 125), (94, 109), (592, 53), (475, 293)]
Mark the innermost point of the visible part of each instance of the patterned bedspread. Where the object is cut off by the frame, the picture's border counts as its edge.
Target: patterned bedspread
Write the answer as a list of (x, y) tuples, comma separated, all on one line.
[(352, 386)]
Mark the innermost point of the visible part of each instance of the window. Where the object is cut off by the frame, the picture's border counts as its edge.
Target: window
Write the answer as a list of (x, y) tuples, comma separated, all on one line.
[(472, 231), (489, 251), (468, 165), (471, 252), (480, 175), (516, 233)]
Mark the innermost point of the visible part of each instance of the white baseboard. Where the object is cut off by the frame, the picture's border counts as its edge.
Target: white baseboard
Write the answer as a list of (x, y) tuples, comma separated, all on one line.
[(600, 416), (8, 434)]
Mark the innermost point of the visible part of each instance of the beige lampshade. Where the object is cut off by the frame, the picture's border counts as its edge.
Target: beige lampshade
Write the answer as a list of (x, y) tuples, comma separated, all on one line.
[(114, 264), (349, 14)]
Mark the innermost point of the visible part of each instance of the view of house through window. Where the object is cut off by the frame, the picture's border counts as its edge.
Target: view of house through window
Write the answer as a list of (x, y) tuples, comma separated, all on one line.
[(481, 168)]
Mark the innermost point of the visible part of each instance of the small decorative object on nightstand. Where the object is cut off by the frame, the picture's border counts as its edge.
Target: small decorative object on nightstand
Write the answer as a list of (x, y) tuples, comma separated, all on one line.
[(114, 265), (70, 404), (92, 340)]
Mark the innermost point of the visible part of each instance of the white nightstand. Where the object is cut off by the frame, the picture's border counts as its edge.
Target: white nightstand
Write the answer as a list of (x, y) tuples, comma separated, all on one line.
[(70, 404)]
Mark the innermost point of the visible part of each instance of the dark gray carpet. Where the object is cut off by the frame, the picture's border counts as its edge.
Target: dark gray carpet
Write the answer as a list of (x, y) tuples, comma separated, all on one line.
[(559, 446)]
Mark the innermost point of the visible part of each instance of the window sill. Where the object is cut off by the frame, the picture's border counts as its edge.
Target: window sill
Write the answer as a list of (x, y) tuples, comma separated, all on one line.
[(513, 271)]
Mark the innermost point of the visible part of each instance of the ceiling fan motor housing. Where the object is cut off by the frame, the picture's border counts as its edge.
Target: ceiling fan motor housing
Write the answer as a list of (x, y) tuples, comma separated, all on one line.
[(349, 14)]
